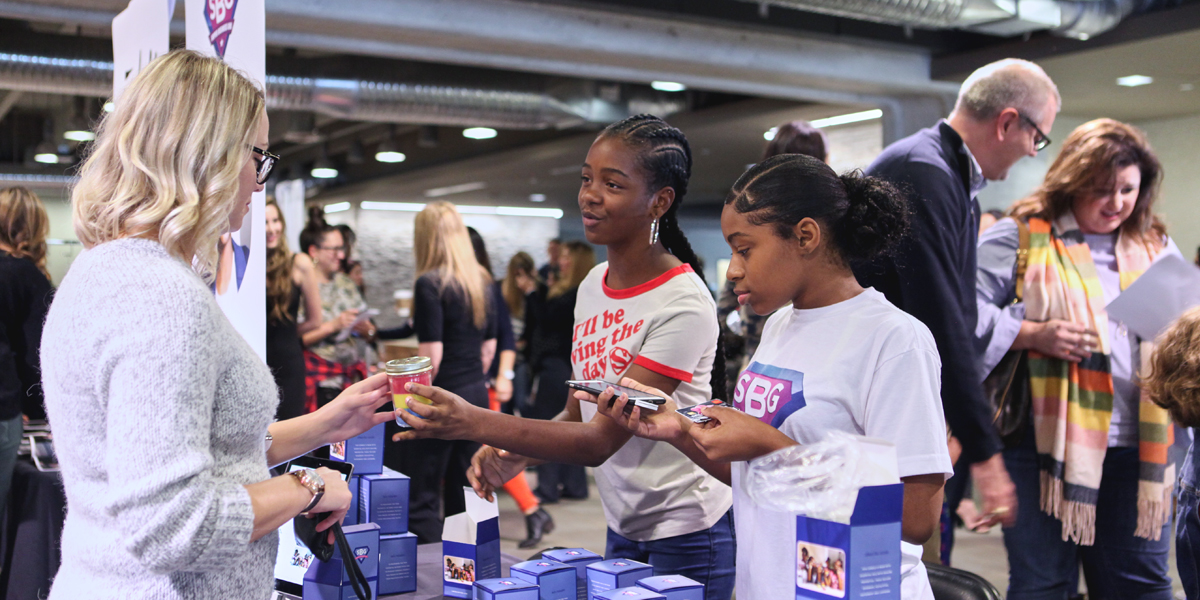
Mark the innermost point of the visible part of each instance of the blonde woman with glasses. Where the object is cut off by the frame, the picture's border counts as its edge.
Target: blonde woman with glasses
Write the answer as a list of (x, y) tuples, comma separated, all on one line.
[(161, 411)]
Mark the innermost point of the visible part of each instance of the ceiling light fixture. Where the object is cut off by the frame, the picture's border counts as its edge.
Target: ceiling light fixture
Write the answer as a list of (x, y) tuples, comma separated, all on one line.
[(506, 211), (337, 207), (455, 189), (109, 106), (770, 134), (537, 197), (323, 168), (1134, 80), (866, 115), (479, 133), (668, 86), (388, 153), (79, 135)]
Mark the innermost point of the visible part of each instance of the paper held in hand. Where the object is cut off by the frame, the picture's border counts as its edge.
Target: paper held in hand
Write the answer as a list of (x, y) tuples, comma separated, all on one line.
[(1160, 296), (362, 316)]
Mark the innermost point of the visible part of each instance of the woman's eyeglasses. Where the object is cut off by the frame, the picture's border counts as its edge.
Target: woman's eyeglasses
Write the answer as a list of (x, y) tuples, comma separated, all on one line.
[(265, 164)]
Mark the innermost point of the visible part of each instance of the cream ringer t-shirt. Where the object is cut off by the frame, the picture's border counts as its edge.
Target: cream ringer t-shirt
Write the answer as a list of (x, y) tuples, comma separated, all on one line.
[(650, 490)]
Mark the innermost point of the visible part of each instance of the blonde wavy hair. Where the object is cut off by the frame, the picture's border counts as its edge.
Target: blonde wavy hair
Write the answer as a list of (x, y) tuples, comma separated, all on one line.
[(279, 272), (443, 245), (583, 258), (165, 163), (1172, 377), (24, 226)]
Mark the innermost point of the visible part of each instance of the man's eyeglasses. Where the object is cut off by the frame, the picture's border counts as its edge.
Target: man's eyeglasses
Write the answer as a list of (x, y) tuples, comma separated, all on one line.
[(332, 248), (264, 165), (1039, 142)]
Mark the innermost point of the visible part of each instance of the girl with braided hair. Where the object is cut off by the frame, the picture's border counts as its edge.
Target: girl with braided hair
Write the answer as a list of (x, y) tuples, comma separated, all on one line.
[(834, 357), (645, 315)]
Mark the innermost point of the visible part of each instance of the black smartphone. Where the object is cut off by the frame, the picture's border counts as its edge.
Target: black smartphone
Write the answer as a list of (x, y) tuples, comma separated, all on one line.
[(596, 387)]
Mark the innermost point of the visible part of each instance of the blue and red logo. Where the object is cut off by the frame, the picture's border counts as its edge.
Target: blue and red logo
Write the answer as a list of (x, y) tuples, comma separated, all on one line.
[(360, 554), (218, 14), (769, 393)]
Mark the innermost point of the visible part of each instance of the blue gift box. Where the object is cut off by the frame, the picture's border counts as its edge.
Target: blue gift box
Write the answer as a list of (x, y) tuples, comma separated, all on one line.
[(397, 564), (505, 588), (470, 546), (674, 587), (615, 574), (352, 514), (383, 499), (320, 591), (578, 558), (364, 450), (555, 580), (329, 580), (864, 554), (630, 593)]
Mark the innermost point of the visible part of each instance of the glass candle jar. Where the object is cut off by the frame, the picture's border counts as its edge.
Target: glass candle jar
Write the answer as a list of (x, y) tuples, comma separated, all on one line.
[(418, 369)]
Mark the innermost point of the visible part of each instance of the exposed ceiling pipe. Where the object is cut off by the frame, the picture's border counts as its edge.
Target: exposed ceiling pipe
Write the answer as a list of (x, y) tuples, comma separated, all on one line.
[(1080, 19), (350, 99)]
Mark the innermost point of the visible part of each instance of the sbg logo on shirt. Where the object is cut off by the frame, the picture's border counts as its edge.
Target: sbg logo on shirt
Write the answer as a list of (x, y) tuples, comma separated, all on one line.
[(769, 393)]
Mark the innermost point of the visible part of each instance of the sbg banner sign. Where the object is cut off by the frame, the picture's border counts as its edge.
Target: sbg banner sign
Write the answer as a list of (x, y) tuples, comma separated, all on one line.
[(235, 31)]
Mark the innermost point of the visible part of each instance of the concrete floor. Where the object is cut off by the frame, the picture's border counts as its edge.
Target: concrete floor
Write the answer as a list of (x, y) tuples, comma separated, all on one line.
[(580, 524)]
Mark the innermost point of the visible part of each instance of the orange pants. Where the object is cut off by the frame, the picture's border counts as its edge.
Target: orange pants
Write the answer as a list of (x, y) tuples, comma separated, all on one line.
[(517, 487)]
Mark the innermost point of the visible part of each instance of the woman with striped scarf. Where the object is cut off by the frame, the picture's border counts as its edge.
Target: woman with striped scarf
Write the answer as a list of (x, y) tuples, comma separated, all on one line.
[(1092, 472)]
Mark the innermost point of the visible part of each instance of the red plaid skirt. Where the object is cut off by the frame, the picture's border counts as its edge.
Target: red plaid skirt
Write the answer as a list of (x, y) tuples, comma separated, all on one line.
[(318, 369)]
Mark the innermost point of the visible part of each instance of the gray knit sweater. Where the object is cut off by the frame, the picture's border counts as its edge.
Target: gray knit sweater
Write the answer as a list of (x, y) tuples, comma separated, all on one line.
[(159, 410)]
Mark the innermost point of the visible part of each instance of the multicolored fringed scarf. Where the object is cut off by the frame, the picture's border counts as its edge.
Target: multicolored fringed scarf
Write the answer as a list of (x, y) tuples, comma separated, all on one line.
[(1072, 402)]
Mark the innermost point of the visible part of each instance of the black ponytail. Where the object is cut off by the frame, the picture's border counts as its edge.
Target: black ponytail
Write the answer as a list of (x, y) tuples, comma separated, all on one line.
[(867, 216), (314, 231), (666, 157), (875, 221)]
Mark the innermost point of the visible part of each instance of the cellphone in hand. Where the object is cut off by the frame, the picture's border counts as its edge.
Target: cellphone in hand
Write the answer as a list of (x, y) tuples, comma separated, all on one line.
[(596, 387)]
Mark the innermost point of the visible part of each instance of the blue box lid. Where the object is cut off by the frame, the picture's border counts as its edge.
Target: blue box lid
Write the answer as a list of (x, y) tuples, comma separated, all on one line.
[(617, 566), (665, 583), (630, 593), (386, 474), (504, 584), (539, 567), (570, 555)]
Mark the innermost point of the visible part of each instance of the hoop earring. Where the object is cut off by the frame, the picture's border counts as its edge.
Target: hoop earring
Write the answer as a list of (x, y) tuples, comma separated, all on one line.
[(654, 232)]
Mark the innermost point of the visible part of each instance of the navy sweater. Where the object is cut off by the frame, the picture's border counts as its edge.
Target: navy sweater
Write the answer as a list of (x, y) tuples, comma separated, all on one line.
[(932, 275)]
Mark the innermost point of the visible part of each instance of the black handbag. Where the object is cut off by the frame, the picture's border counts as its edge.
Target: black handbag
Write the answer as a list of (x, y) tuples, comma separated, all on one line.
[(318, 542), (1007, 386)]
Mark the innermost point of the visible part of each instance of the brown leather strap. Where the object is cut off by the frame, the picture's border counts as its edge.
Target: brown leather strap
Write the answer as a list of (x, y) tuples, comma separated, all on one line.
[(1022, 258)]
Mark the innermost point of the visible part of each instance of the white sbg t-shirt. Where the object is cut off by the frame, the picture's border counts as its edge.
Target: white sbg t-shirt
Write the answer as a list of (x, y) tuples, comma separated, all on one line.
[(650, 490), (860, 366)]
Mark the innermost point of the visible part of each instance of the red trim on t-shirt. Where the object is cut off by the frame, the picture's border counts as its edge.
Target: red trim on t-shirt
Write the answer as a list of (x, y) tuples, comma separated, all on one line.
[(664, 370), (645, 287)]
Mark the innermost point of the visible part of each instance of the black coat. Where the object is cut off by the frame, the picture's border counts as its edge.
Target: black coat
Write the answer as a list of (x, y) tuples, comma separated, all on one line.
[(932, 275), (25, 296)]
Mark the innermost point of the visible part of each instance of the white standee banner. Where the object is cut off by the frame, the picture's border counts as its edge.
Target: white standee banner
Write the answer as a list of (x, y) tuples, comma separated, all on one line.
[(290, 197), (235, 30), (141, 33)]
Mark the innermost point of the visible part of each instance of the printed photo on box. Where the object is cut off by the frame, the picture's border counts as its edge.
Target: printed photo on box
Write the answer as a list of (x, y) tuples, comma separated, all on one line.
[(338, 450), (821, 569), (460, 570)]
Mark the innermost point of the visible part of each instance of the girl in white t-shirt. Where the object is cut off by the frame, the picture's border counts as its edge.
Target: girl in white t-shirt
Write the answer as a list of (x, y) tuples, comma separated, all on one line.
[(840, 358), (645, 315)]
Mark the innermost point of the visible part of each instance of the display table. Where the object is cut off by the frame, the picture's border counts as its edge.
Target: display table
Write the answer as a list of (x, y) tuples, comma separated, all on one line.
[(429, 573), (31, 529)]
